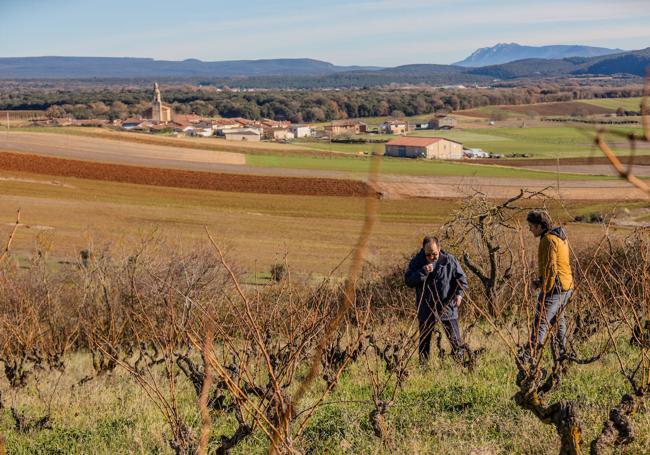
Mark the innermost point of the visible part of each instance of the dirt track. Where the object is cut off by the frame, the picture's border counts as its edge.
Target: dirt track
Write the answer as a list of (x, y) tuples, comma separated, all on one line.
[(394, 187), (22, 162)]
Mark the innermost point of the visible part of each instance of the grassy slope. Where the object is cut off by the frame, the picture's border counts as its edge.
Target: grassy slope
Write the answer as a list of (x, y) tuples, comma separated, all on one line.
[(440, 410), (629, 104), (276, 224)]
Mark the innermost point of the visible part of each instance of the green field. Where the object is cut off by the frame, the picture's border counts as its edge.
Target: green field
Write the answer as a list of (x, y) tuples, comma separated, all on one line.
[(352, 149), (629, 104), (538, 142), (402, 166)]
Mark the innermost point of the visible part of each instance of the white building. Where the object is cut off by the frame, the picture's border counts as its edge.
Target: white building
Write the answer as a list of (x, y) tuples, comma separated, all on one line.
[(243, 134), (424, 147), (300, 131), (205, 131)]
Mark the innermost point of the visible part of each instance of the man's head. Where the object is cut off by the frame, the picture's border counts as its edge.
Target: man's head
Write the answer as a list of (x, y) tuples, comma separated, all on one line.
[(431, 247), (538, 222)]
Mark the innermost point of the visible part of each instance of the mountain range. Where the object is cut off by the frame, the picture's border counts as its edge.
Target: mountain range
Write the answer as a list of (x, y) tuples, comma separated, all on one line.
[(130, 67), (310, 73), (509, 52)]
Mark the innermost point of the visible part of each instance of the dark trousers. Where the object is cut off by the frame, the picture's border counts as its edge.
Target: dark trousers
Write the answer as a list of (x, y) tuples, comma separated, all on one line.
[(452, 331)]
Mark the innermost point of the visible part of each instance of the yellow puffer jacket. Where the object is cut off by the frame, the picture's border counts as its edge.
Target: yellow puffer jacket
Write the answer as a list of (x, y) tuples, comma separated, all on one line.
[(554, 265)]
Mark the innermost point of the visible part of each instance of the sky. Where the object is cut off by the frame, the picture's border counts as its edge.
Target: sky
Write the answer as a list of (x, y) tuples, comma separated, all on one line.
[(380, 32)]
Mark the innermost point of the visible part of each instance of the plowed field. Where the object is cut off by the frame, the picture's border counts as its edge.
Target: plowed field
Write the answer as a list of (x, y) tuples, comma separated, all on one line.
[(182, 178)]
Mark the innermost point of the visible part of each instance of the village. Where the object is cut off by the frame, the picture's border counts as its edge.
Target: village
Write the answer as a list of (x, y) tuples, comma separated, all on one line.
[(160, 118)]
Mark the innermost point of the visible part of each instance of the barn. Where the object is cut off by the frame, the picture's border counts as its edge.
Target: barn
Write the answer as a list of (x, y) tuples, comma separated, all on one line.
[(424, 147)]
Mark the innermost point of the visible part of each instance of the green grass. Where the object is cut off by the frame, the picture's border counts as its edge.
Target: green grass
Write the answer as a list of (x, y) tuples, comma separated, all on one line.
[(352, 149), (401, 166), (443, 409), (629, 104), (539, 142)]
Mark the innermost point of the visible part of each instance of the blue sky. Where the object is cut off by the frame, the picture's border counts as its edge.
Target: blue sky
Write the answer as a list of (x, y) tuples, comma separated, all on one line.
[(380, 32)]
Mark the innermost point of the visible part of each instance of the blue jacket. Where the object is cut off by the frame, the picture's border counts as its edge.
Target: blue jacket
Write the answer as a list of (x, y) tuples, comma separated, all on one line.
[(435, 292)]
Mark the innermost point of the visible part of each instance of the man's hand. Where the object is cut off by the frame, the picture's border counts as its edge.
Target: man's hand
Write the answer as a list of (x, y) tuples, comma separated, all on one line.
[(428, 268), (457, 300), (535, 284)]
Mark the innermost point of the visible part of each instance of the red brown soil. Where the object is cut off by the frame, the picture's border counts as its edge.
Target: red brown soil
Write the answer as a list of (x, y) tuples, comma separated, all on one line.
[(180, 178)]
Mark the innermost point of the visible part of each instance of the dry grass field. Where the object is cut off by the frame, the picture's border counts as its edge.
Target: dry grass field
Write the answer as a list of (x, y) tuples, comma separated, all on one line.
[(315, 232)]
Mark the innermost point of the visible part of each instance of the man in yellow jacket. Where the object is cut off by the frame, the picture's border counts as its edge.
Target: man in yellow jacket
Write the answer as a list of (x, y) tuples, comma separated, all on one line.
[(555, 281)]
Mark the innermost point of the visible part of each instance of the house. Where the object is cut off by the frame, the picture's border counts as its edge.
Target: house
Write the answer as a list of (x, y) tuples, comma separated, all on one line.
[(300, 131), (421, 125), (245, 122), (268, 123), (424, 147), (243, 134), (346, 127), (203, 131), (394, 127), (278, 134), (135, 124), (183, 128), (442, 122), (223, 124), (187, 118)]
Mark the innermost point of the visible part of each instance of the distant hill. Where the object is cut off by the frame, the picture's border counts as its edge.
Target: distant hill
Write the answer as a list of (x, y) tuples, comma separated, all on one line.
[(509, 52), (309, 73), (632, 62), (119, 67)]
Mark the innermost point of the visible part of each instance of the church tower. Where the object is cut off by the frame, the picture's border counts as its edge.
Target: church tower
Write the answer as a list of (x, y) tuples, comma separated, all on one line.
[(156, 106)]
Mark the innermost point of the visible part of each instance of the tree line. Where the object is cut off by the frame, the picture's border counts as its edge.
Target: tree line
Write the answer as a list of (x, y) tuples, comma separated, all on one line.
[(120, 102)]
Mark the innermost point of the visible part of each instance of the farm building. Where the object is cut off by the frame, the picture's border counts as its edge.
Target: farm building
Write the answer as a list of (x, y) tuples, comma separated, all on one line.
[(442, 123), (302, 131), (346, 127), (243, 134), (424, 147), (394, 127)]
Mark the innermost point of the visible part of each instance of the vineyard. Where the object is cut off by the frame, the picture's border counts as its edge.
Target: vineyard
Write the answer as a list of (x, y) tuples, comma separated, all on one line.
[(170, 353)]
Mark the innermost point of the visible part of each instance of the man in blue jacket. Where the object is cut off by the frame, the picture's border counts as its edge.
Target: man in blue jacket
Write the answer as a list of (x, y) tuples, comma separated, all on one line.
[(439, 283)]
